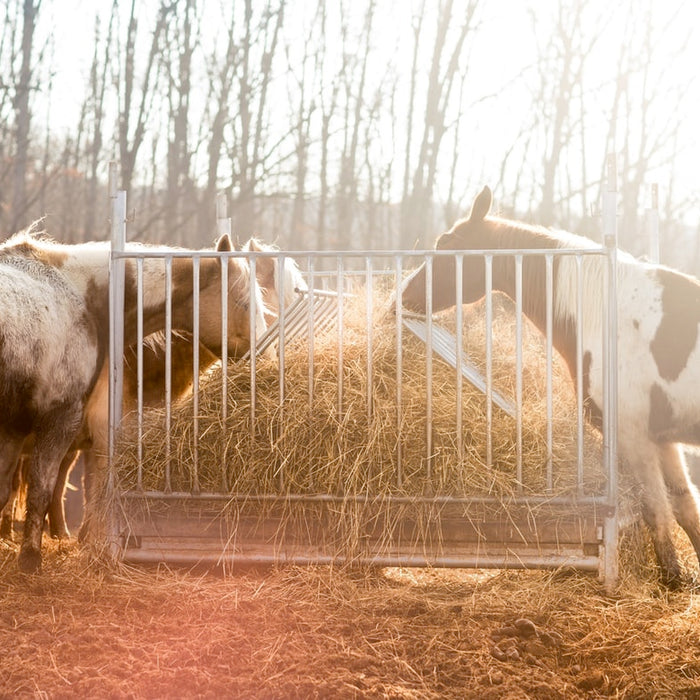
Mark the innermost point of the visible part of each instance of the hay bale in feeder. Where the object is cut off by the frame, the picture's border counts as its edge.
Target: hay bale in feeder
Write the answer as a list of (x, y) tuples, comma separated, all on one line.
[(318, 440)]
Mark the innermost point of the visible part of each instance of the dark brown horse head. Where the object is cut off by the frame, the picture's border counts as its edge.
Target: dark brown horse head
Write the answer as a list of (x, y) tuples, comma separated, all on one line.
[(467, 234)]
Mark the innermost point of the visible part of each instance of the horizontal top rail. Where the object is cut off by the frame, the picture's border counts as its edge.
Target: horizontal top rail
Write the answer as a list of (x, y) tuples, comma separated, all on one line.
[(496, 252)]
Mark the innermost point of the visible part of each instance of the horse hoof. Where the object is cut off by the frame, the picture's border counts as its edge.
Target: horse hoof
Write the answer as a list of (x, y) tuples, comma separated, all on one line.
[(673, 581), (60, 534), (29, 561)]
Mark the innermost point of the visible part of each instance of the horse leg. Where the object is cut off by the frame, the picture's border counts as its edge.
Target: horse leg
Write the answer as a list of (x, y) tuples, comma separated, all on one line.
[(644, 459), (54, 435), (95, 460), (94, 474), (684, 495), (10, 451), (57, 516), (7, 514)]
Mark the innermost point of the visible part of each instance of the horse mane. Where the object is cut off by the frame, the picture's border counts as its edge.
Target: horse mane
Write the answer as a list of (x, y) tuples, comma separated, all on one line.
[(293, 277), (28, 241), (516, 235)]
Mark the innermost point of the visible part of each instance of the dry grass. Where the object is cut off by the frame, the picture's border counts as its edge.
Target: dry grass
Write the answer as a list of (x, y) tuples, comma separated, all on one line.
[(328, 445), (83, 629), (332, 445)]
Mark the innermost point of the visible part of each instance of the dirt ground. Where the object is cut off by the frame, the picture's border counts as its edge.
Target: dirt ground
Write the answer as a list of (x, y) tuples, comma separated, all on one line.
[(84, 629)]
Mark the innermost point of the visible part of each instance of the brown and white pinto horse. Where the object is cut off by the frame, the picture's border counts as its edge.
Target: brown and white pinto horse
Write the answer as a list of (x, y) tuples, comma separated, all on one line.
[(658, 351), (54, 328)]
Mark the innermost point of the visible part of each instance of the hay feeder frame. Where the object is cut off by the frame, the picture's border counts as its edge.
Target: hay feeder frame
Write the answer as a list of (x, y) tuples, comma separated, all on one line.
[(548, 531)]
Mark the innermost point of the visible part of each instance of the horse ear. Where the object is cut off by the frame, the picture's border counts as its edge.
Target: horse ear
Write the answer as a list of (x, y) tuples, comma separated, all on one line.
[(254, 244), (482, 204), (224, 244)]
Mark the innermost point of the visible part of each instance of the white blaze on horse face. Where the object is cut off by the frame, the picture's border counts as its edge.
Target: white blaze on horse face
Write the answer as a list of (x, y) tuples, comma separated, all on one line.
[(292, 280), (260, 324)]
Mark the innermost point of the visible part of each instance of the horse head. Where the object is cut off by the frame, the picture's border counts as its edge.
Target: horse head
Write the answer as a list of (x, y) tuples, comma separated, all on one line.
[(471, 233), (241, 295), (275, 284)]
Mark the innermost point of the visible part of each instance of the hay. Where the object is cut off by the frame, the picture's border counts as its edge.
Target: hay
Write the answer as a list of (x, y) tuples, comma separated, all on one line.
[(319, 445), (82, 630), (373, 460)]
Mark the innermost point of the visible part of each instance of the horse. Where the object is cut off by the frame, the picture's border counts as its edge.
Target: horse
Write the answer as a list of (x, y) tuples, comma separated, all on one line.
[(659, 355), (54, 333), (267, 272), (93, 443), (274, 287), (92, 440)]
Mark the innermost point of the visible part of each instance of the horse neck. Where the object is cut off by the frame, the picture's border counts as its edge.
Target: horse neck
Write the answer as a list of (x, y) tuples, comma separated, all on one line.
[(534, 286), (155, 296)]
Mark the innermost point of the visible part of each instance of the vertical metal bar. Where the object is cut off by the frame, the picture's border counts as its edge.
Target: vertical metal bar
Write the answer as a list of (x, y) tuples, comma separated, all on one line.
[(168, 367), (488, 285), (549, 264), (310, 332), (253, 324), (368, 315), (459, 289), (399, 370), (610, 536), (341, 329), (579, 375), (224, 262), (429, 366), (519, 371), (139, 369), (195, 374), (117, 274), (280, 344), (117, 267)]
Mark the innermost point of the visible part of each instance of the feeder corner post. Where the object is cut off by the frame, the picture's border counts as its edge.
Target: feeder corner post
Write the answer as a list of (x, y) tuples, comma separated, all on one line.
[(116, 341), (609, 567)]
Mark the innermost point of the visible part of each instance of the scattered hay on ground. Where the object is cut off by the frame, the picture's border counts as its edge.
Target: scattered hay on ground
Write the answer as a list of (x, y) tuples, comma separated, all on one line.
[(82, 629)]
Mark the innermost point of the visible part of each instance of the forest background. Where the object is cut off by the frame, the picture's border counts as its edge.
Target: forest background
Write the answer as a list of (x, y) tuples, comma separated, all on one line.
[(349, 124)]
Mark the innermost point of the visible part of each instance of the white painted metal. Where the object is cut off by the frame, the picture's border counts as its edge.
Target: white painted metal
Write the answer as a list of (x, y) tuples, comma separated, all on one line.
[(609, 569), (116, 336), (445, 344)]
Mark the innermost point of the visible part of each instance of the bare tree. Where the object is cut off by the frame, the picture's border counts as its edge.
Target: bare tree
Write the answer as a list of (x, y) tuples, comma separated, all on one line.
[(135, 107), (22, 88), (221, 72), (254, 78), (354, 104), (181, 38), (444, 69)]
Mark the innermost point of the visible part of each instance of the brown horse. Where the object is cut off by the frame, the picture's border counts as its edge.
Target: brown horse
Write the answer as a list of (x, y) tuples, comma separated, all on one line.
[(53, 345), (659, 356)]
